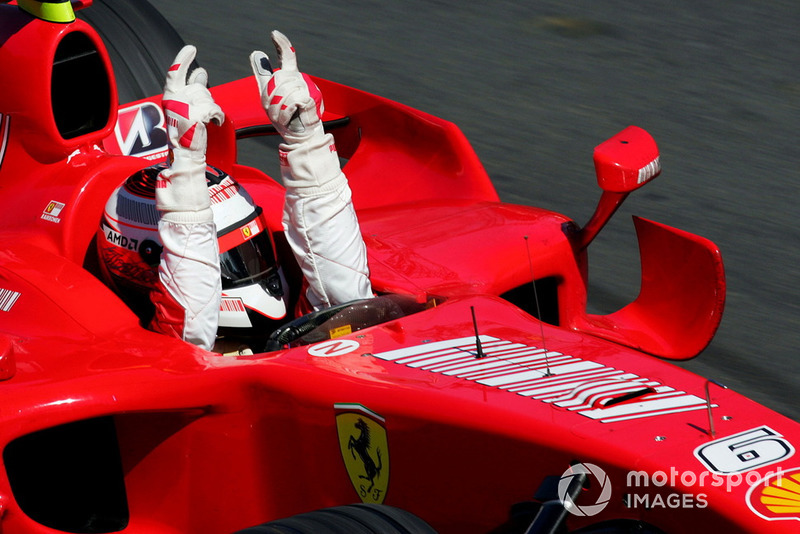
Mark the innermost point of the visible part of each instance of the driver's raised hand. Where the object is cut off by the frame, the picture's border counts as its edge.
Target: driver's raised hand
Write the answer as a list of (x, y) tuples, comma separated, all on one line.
[(293, 102), (188, 104), (181, 191)]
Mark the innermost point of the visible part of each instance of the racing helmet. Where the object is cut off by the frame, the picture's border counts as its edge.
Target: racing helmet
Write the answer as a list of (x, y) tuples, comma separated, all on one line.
[(129, 249)]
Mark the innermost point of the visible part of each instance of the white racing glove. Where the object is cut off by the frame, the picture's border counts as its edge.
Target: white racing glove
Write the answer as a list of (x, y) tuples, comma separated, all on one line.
[(181, 192), (292, 100), (294, 105), (319, 219)]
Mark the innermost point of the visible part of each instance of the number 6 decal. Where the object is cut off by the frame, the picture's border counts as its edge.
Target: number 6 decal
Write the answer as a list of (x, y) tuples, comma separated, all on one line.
[(744, 451)]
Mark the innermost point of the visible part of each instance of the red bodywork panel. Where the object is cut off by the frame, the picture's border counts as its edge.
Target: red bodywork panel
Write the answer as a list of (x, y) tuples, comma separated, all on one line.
[(473, 402)]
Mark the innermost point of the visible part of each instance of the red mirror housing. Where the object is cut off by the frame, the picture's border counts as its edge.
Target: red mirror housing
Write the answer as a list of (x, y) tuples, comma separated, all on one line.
[(627, 161), (623, 164)]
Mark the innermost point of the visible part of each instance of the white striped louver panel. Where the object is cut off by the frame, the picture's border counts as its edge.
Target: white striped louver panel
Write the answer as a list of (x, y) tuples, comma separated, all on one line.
[(589, 388)]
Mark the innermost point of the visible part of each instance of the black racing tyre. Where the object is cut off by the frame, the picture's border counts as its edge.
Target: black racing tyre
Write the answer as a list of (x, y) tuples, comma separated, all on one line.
[(349, 519), (141, 42)]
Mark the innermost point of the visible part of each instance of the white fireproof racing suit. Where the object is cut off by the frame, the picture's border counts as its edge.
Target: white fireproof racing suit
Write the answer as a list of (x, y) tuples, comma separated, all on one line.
[(319, 219)]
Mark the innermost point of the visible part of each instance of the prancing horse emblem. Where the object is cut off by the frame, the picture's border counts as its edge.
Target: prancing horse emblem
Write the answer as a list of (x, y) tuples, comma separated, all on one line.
[(364, 447)]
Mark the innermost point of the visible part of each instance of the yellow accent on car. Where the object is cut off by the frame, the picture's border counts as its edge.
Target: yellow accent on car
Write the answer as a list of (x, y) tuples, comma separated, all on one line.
[(341, 331), (49, 11), (365, 450)]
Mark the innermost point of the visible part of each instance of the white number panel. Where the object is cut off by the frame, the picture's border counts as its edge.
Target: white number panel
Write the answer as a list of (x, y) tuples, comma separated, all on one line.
[(744, 451)]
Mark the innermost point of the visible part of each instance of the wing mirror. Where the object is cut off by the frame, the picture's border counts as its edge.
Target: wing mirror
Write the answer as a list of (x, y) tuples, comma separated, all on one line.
[(623, 164)]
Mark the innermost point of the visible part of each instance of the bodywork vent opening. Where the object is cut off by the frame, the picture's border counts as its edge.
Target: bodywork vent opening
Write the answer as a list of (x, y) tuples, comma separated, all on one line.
[(80, 87), (524, 297), (70, 477)]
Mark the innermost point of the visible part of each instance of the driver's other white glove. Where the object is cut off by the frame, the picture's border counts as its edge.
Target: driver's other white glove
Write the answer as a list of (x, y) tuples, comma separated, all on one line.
[(292, 100), (181, 192), (319, 219)]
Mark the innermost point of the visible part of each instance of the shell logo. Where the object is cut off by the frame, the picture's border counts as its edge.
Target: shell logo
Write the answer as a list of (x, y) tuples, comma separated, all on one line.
[(777, 496)]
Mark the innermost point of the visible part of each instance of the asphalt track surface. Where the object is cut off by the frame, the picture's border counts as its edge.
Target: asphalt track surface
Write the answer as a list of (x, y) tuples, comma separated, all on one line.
[(535, 86)]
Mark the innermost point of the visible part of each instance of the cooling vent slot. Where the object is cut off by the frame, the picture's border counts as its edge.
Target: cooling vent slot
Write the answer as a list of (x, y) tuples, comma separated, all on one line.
[(70, 477), (627, 397)]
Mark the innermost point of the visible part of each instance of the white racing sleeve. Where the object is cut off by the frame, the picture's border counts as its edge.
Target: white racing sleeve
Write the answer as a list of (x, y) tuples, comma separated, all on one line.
[(319, 219), (188, 298), (321, 225)]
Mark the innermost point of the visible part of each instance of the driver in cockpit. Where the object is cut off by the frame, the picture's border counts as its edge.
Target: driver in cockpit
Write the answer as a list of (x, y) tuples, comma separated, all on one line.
[(202, 253)]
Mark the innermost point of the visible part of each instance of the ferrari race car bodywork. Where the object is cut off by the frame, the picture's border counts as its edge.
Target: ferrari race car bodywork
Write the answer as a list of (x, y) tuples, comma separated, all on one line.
[(474, 382)]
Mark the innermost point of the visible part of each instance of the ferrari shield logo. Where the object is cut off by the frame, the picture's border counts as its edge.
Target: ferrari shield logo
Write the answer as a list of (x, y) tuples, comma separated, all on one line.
[(365, 450)]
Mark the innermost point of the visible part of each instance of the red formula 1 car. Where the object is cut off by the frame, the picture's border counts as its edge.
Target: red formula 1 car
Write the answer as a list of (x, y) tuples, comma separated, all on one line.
[(473, 394)]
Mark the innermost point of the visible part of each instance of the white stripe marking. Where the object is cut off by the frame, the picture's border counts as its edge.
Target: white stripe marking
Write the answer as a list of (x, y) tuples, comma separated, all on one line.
[(572, 383)]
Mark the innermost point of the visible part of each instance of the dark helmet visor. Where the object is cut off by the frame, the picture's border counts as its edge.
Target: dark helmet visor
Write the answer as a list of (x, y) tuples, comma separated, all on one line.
[(248, 263)]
